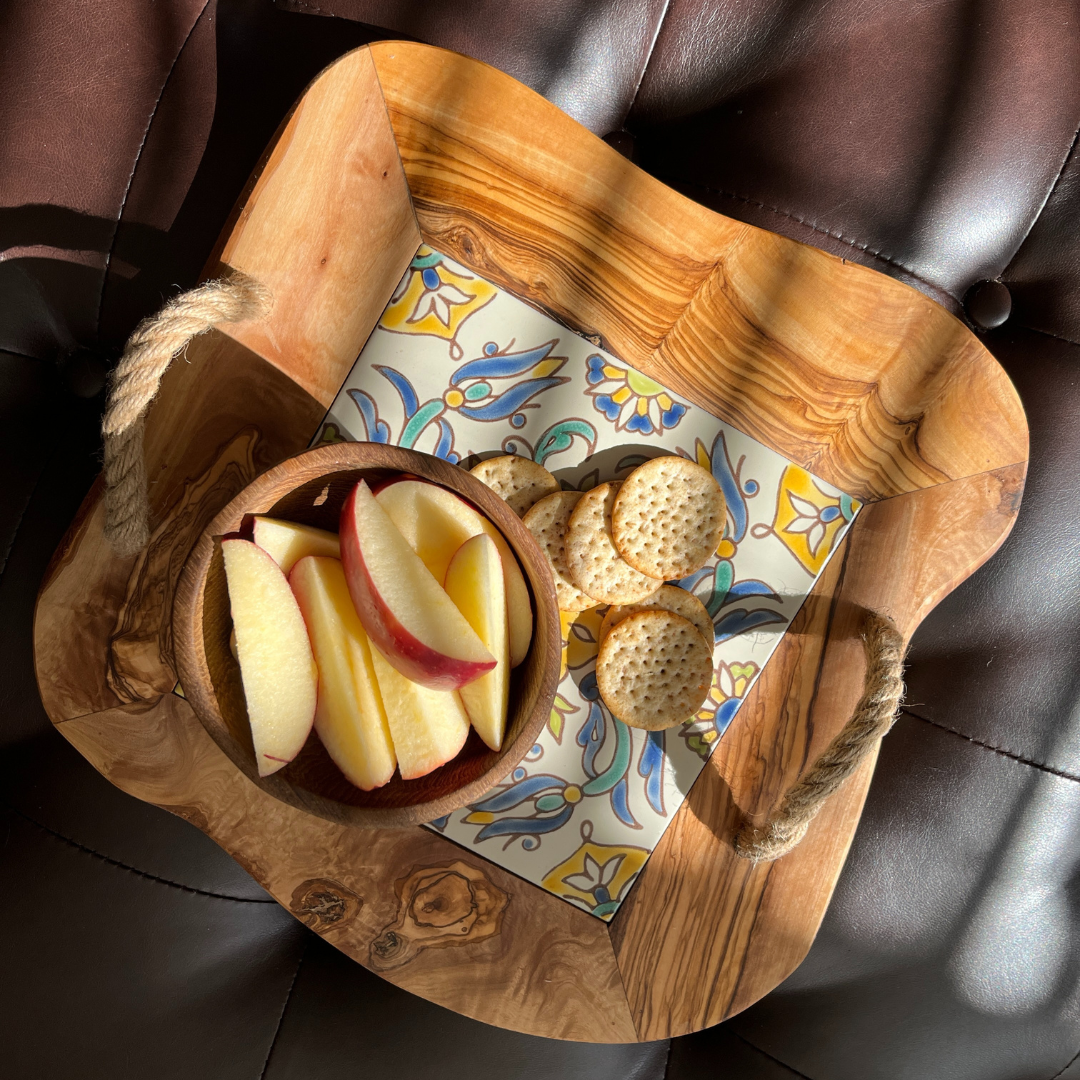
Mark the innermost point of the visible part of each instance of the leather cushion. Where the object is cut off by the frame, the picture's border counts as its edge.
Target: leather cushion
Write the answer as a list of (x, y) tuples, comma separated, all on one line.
[(341, 1015), (999, 659), (586, 58), (108, 973), (69, 139), (1044, 278), (904, 136), (952, 945)]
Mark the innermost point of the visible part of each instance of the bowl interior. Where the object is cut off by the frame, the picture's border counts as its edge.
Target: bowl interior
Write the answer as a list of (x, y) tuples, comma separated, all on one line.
[(312, 776)]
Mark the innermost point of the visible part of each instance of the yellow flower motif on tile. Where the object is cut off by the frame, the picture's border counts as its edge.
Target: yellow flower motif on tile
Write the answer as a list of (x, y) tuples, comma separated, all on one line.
[(580, 634), (704, 458), (434, 300), (632, 400), (560, 710), (596, 876), (730, 683), (580, 638), (566, 620), (808, 519), (583, 640)]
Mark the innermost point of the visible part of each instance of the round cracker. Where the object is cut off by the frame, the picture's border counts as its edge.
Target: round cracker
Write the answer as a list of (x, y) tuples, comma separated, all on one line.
[(668, 517), (518, 480), (547, 522), (596, 568), (654, 670), (666, 598)]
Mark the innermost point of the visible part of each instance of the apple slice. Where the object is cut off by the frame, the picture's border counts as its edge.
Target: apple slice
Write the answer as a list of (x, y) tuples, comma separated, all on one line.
[(436, 522), (405, 611), (474, 581), (287, 543), (276, 666), (429, 727), (349, 719)]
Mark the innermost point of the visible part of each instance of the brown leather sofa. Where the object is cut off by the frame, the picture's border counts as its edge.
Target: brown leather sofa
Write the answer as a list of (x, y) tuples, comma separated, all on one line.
[(934, 141)]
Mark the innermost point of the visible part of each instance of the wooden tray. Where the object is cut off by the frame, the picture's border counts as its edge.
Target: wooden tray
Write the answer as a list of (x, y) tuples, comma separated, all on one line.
[(860, 379)]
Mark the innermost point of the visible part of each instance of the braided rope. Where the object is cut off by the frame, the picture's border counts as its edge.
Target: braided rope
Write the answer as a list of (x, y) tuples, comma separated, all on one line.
[(873, 717), (135, 382)]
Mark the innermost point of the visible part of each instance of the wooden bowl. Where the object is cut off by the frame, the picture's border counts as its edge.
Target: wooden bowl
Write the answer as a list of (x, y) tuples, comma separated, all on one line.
[(311, 489)]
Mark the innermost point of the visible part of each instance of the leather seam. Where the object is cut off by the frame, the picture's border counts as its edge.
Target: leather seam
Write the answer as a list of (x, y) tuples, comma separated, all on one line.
[(865, 248), (313, 9), (25, 356), (131, 869), (1049, 334), (1012, 755), (645, 65), (782, 1064), (284, 1008), (1071, 1061), (138, 157), (22, 515), (1049, 195)]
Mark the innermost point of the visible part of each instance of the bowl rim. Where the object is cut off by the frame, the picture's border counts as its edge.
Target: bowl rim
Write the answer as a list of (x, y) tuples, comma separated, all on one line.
[(258, 496)]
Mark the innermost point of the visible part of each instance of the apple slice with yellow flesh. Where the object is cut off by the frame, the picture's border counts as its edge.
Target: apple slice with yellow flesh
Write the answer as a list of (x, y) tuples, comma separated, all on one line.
[(405, 611), (287, 543), (350, 719), (276, 664), (474, 581), (429, 727), (436, 522)]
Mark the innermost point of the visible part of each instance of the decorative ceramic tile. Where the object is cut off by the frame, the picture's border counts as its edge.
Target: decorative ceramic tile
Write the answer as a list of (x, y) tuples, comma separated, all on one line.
[(460, 368)]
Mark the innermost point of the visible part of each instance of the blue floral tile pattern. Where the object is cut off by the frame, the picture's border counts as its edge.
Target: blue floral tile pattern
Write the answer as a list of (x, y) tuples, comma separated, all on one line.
[(461, 369)]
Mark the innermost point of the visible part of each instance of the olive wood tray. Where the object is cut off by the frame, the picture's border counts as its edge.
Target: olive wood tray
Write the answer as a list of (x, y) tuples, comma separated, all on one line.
[(854, 376)]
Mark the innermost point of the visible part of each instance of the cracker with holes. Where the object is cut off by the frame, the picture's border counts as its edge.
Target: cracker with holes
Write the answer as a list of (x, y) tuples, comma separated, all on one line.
[(666, 598), (596, 568), (668, 517), (654, 670), (521, 482), (547, 521)]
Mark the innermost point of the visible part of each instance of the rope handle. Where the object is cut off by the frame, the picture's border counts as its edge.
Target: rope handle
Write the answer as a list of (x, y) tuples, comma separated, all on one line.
[(872, 719), (134, 384)]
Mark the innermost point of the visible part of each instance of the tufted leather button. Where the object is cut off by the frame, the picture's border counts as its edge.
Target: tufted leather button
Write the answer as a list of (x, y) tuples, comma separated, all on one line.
[(84, 373), (988, 304)]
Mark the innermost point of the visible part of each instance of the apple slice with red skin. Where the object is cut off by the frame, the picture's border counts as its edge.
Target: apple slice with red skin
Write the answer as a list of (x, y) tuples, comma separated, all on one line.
[(287, 542), (429, 727), (349, 720), (405, 611), (272, 647), (474, 581), (436, 522)]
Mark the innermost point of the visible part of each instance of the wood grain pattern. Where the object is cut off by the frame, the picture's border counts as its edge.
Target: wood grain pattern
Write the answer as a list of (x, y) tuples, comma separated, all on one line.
[(546, 968), (859, 378), (80, 598), (854, 376), (311, 489), (330, 249), (220, 418)]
